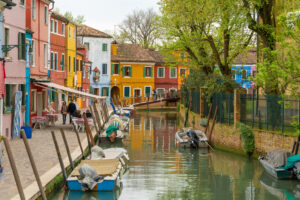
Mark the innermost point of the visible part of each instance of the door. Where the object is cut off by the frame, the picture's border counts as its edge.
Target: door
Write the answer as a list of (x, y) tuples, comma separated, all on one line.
[(137, 94), (39, 104)]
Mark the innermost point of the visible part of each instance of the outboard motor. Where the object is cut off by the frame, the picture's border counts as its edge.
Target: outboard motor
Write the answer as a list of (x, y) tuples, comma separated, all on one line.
[(297, 170), (195, 140)]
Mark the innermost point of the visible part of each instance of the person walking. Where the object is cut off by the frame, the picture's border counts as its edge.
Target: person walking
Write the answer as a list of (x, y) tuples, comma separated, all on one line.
[(71, 109), (154, 94), (64, 111)]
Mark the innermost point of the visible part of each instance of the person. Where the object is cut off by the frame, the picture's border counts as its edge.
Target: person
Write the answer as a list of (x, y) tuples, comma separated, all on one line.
[(77, 114), (154, 94), (71, 109), (64, 111), (88, 114)]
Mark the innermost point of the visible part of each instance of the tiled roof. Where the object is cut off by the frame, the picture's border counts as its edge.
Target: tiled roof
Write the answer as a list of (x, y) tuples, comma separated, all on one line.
[(247, 58), (59, 16), (84, 30), (156, 55), (132, 53)]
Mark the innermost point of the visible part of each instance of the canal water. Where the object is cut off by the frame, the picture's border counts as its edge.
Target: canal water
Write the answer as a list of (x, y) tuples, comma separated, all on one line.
[(159, 170)]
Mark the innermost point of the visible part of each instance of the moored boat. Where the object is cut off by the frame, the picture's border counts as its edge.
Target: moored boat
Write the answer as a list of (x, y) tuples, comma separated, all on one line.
[(186, 138), (275, 172)]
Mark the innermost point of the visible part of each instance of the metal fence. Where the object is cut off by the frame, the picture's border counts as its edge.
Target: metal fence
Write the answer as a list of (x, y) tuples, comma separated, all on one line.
[(270, 112), (196, 101)]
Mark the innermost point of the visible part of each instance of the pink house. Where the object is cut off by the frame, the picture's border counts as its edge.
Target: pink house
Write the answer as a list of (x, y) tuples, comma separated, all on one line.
[(14, 34)]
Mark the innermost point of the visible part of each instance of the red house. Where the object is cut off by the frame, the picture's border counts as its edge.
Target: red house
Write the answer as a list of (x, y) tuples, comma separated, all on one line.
[(37, 23), (86, 71), (165, 76)]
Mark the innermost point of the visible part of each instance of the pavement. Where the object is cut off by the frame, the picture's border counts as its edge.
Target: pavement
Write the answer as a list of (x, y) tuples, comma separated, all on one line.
[(45, 157)]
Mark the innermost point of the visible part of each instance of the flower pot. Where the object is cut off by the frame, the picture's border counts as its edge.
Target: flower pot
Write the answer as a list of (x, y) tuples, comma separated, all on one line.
[(28, 131)]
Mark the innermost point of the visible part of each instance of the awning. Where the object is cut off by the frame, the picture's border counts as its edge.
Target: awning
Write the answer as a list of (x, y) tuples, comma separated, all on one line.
[(63, 89)]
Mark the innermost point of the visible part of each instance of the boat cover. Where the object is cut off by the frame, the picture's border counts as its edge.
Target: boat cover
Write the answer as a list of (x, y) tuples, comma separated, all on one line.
[(89, 177), (97, 153), (112, 128), (291, 162), (278, 157)]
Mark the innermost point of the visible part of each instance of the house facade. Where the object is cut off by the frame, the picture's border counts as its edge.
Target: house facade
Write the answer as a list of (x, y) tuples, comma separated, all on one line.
[(14, 34), (70, 55), (132, 71), (37, 23), (99, 45)]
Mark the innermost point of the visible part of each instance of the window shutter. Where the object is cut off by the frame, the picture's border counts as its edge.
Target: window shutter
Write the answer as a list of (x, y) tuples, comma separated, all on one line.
[(118, 69), (107, 91), (150, 71), (112, 68), (130, 71), (123, 71), (144, 71), (55, 61), (63, 62), (102, 91), (51, 62), (19, 47)]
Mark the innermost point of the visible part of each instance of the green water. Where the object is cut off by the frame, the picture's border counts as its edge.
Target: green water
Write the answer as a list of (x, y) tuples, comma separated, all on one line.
[(159, 170)]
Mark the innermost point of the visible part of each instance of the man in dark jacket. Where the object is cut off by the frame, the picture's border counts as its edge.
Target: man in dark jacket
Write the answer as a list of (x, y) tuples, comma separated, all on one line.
[(71, 109)]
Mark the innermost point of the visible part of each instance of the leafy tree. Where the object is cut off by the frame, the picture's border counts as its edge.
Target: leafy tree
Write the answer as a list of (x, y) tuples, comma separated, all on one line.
[(213, 33), (79, 19), (139, 28)]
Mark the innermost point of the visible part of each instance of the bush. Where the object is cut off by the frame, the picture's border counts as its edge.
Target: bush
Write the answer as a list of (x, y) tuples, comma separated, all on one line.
[(247, 139)]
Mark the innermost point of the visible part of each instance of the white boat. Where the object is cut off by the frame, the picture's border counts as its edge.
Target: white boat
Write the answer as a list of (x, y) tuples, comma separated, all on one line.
[(183, 140)]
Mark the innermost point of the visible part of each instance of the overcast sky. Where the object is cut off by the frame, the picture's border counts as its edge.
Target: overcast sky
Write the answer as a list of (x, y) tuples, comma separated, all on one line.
[(104, 14)]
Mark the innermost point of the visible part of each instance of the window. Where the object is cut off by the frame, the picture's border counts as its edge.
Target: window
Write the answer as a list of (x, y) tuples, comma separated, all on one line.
[(77, 65), (33, 9), (83, 71), (45, 55), (8, 96), (233, 74), (21, 47), (51, 60), (254, 74), (161, 72), (74, 64), (115, 68), (63, 27), (182, 72), (69, 63), (62, 63), (56, 61), (22, 2), (74, 34), (147, 91), (127, 71), (51, 25), (87, 44), (160, 92), (104, 69), (33, 53), (147, 71), (22, 88), (173, 72), (6, 39), (126, 91), (244, 74), (69, 32), (33, 100), (104, 47), (46, 15), (55, 26), (105, 91)]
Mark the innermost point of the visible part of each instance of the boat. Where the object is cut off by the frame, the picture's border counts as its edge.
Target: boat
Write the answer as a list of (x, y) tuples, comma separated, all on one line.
[(281, 164), (120, 112), (183, 140)]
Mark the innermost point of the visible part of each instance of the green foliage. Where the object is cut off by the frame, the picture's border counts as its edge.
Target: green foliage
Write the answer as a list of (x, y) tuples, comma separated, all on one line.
[(79, 19), (203, 122), (296, 124), (247, 138), (178, 107)]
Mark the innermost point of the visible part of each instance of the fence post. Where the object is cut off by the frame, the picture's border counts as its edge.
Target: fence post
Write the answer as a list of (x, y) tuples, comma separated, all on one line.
[(202, 102), (191, 100), (237, 106)]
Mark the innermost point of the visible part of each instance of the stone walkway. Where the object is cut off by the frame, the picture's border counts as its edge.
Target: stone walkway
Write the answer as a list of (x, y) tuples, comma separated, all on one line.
[(44, 153)]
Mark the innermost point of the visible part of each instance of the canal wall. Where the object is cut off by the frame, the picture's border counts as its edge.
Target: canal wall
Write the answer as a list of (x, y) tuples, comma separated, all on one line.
[(228, 137)]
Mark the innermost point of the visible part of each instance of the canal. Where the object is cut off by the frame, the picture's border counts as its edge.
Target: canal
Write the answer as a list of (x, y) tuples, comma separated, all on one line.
[(159, 170)]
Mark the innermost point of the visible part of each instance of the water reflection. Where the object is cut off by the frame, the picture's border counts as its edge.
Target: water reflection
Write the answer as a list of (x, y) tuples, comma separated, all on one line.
[(159, 170)]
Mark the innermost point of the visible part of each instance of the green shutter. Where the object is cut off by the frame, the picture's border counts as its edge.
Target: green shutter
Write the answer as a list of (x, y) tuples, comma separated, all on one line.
[(123, 71), (112, 68), (144, 71), (126, 92), (74, 62), (150, 71), (63, 97), (91, 90), (107, 91), (55, 61), (147, 91), (63, 62), (51, 65), (130, 71), (118, 69)]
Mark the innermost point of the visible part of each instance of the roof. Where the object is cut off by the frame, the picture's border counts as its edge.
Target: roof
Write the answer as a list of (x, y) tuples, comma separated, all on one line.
[(157, 56), (246, 58), (60, 17), (84, 30), (132, 53)]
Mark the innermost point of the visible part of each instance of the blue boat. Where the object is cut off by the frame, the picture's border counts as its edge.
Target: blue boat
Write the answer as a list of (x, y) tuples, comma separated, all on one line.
[(275, 172)]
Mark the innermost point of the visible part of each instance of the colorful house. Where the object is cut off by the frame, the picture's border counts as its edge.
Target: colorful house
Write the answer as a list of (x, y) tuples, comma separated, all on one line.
[(37, 23), (132, 72), (14, 52), (58, 72), (165, 77), (86, 72), (99, 45), (70, 55)]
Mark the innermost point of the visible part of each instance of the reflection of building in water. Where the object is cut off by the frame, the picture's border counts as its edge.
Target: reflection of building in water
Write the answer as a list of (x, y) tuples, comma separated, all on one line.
[(141, 133)]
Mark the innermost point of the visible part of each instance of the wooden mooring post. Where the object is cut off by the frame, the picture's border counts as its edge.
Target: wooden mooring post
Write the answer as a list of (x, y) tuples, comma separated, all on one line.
[(213, 123), (88, 130), (63, 170), (14, 168), (79, 142), (67, 148), (34, 168), (208, 119), (94, 119), (97, 116)]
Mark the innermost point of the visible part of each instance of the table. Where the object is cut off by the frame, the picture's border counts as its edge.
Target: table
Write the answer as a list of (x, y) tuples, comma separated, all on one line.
[(52, 118), (39, 121), (79, 123)]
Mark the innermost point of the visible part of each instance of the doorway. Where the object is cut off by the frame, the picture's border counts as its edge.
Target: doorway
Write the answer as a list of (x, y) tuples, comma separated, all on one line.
[(137, 94), (39, 103), (115, 94)]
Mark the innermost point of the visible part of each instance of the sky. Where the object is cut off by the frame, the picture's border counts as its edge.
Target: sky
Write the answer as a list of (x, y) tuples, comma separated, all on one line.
[(104, 15)]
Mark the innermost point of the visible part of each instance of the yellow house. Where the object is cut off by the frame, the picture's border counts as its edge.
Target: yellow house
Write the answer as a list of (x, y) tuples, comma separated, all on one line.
[(70, 58), (132, 71), (78, 76)]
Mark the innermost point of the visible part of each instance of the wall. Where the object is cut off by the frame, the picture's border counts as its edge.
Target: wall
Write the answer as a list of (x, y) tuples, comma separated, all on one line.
[(70, 51), (167, 82), (227, 137), (180, 78)]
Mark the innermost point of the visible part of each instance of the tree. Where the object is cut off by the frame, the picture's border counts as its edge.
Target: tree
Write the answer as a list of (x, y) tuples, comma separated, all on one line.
[(79, 19), (139, 28), (213, 33)]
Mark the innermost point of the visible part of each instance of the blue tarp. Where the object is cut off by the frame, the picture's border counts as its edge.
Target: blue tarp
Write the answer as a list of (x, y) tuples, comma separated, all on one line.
[(291, 162)]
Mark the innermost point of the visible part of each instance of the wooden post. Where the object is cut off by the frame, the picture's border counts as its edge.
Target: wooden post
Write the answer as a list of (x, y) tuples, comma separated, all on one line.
[(34, 168), (67, 148), (59, 157), (87, 129), (97, 117), (79, 142), (237, 106), (208, 119), (213, 123), (94, 118), (14, 168), (202, 102)]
